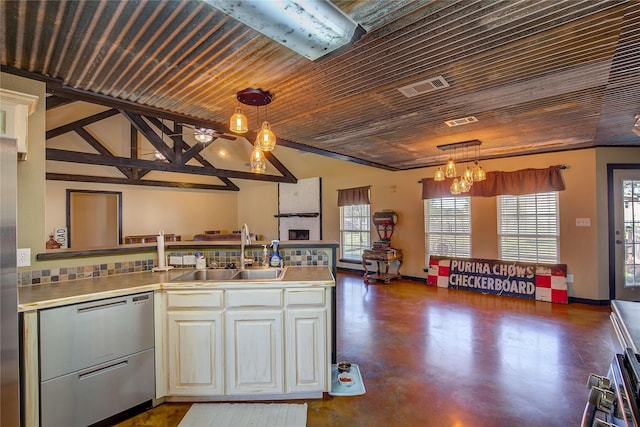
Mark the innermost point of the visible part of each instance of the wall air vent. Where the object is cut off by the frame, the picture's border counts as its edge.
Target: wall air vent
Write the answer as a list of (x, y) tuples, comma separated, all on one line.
[(424, 86), (462, 121)]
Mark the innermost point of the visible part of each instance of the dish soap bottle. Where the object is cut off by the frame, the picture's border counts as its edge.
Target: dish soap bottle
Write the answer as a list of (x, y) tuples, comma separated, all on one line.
[(275, 254), (201, 262)]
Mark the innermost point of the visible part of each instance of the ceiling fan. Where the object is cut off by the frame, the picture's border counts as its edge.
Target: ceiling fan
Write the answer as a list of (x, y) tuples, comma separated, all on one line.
[(202, 134)]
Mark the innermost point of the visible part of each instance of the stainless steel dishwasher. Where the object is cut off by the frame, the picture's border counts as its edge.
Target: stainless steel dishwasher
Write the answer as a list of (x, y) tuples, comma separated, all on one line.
[(96, 359)]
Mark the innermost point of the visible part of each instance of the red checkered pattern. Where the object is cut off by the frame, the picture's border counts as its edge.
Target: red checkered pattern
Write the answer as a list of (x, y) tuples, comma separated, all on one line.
[(551, 284), (438, 274)]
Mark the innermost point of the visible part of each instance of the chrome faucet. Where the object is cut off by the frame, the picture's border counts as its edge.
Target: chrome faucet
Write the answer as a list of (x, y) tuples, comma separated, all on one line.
[(245, 239)]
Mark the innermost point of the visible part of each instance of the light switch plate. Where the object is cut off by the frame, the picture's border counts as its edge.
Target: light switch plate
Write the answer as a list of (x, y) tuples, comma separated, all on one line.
[(583, 222), (23, 257)]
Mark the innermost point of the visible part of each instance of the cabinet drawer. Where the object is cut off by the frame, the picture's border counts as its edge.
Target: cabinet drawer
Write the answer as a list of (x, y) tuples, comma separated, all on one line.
[(254, 298), (78, 336), (85, 397), (305, 297), (192, 299)]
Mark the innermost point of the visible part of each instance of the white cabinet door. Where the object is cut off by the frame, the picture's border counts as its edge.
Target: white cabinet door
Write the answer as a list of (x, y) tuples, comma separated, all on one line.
[(195, 353), (254, 352), (306, 353)]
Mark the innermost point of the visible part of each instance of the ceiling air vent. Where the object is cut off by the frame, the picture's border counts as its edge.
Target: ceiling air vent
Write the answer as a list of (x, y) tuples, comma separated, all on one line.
[(424, 86), (462, 121)]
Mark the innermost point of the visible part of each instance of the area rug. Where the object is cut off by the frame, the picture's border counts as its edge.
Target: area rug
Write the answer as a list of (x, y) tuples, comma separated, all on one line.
[(245, 415)]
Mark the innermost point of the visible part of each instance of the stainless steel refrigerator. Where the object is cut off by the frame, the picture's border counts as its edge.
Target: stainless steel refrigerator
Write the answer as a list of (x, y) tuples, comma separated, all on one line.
[(9, 366)]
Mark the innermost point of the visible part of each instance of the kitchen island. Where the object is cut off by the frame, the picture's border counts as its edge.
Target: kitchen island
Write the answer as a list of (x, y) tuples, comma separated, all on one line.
[(214, 340)]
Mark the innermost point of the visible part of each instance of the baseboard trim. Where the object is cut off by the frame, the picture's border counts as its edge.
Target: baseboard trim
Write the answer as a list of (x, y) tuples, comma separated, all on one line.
[(589, 301)]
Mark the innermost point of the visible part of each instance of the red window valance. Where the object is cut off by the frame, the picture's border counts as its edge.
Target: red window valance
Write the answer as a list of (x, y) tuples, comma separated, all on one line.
[(354, 196), (516, 183)]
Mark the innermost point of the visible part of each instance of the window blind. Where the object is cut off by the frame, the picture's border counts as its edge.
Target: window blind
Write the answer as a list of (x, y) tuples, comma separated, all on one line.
[(529, 228), (448, 226)]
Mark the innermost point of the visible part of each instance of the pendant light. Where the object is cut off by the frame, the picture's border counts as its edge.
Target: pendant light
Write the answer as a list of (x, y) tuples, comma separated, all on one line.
[(478, 174), (450, 169), (238, 122), (266, 138), (466, 179), (455, 186), (257, 161), (468, 175), (465, 185), (461, 183)]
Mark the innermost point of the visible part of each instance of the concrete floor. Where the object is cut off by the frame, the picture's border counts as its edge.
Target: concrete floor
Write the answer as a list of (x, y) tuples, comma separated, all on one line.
[(440, 357)]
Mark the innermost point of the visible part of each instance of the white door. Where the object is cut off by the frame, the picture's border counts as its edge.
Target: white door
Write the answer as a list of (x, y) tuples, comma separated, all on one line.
[(626, 199), (195, 353), (254, 352)]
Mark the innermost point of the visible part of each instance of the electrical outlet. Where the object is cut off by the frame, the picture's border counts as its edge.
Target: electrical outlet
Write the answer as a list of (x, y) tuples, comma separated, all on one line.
[(189, 260), (23, 257)]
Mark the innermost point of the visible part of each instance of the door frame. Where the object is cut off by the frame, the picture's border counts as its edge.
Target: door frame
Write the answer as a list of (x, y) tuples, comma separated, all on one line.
[(611, 167), (68, 202)]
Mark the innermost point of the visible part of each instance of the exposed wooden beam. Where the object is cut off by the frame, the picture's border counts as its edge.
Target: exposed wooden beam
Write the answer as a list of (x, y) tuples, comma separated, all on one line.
[(133, 142), (332, 154), (97, 145), (98, 159), (186, 151), (57, 89), (153, 138), (144, 182), (80, 123), (57, 101)]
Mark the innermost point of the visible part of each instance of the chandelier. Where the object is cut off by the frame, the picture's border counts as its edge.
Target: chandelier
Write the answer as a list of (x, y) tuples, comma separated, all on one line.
[(462, 183), (265, 140)]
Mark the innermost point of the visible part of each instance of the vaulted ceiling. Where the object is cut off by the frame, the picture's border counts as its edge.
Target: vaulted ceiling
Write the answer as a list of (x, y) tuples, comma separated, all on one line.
[(534, 75)]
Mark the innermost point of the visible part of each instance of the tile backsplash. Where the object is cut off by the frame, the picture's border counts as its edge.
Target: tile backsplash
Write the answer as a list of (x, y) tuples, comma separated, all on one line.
[(303, 257)]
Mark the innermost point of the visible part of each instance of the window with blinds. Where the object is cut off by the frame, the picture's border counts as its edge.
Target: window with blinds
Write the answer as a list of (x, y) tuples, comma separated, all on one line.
[(528, 228), (355, 231), (447, 223)]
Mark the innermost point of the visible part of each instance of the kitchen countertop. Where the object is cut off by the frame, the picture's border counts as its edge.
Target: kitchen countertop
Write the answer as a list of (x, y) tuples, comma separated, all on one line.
[(37, 297), (629, 314)]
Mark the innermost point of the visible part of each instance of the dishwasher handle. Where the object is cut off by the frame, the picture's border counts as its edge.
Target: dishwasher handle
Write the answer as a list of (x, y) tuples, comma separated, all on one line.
[(102, 306), (102, 370)]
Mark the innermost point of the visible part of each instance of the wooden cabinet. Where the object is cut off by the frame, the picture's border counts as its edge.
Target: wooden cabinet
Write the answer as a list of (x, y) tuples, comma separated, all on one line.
[(237, 343), (195, 342), (254, 341), (306, 330), (254, 351), (306, 350)]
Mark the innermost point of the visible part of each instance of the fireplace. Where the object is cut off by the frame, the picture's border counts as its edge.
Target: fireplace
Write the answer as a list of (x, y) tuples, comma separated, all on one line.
[(298, 234)]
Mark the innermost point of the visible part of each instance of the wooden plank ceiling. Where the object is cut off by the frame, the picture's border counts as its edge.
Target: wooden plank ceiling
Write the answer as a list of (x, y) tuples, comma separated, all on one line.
[(538, 75)]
